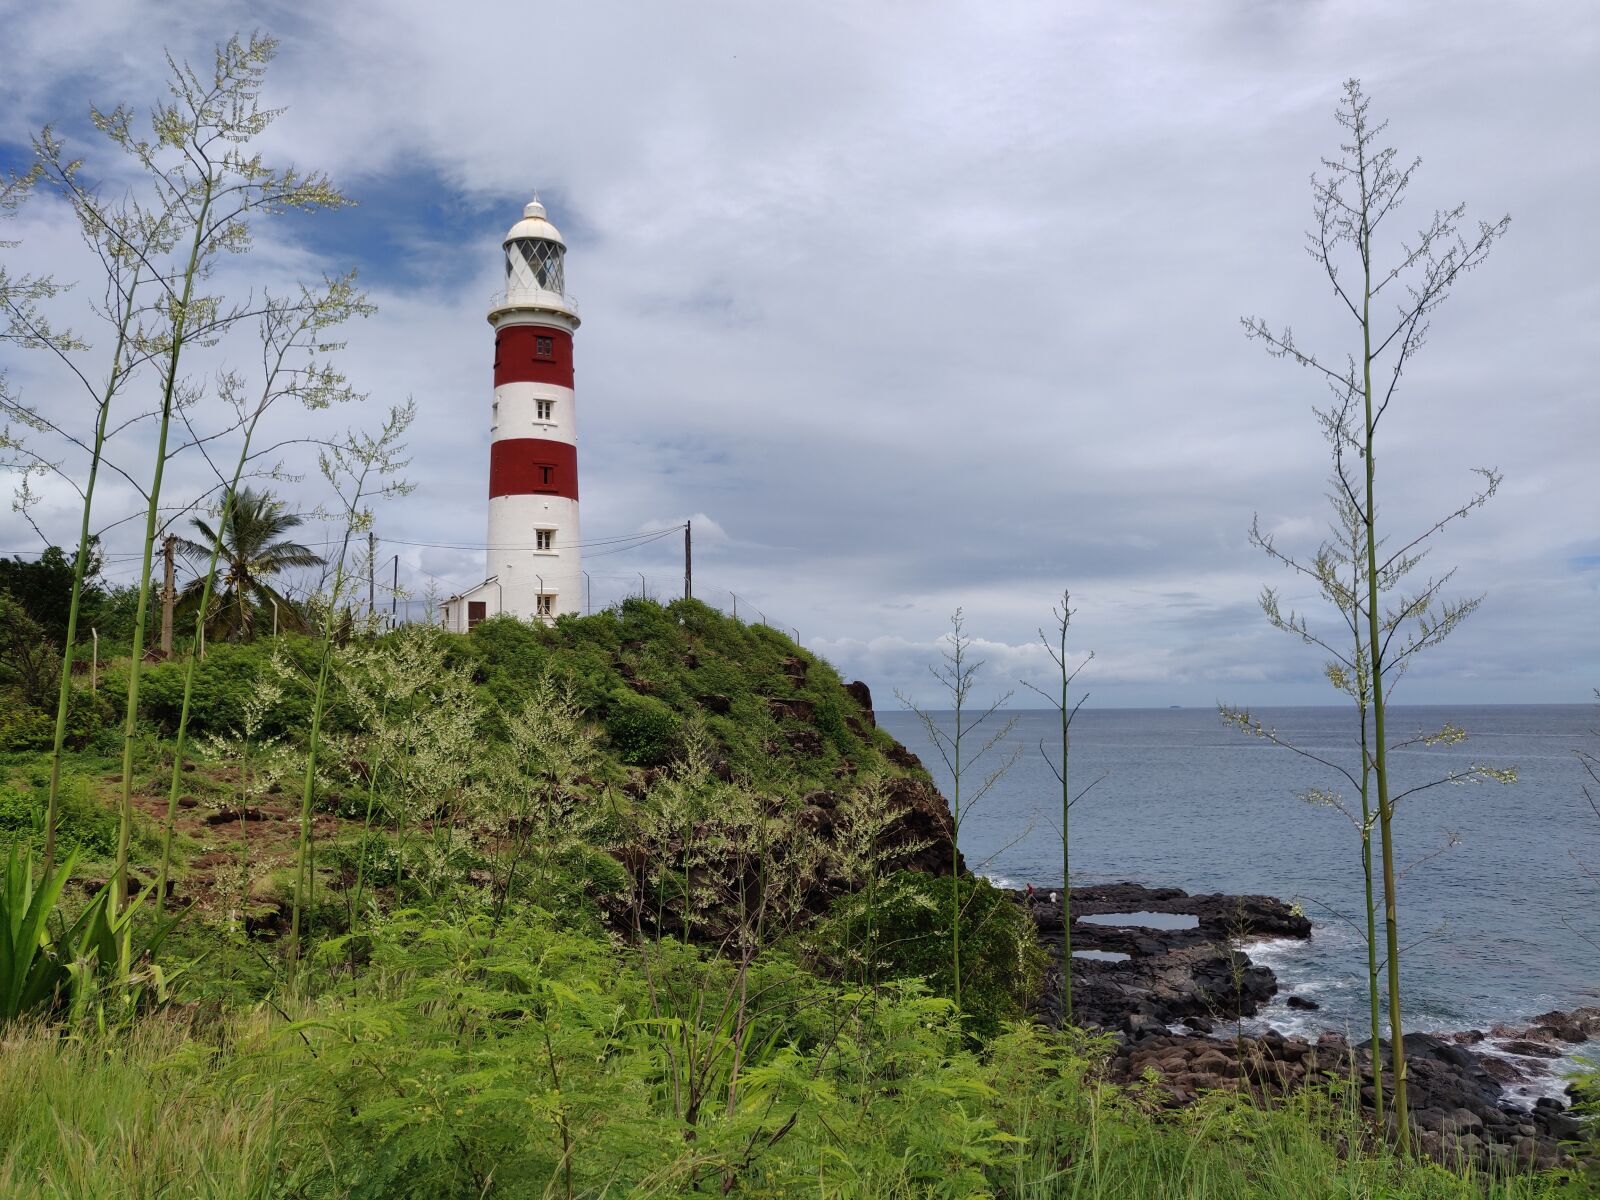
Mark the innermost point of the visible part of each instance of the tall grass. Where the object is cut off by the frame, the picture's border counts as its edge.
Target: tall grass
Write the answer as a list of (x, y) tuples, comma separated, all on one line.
[(156, 1112), (131, 1116)]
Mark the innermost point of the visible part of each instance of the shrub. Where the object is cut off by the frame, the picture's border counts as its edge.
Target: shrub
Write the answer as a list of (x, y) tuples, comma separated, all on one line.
[(225, 679), (901, 928), (642, 730), (27, 727), (84, 824), (23, 727)]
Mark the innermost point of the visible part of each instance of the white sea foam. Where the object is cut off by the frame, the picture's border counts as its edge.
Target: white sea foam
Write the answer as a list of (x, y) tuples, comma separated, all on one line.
[(1549, 1076)]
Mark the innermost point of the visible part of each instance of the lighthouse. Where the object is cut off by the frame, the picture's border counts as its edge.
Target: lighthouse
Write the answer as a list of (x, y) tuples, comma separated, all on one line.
[(532, 566)]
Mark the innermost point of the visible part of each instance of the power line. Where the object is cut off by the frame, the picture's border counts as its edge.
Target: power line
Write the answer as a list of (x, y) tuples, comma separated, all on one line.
[(643, 538), (637, 545), (637, 539)]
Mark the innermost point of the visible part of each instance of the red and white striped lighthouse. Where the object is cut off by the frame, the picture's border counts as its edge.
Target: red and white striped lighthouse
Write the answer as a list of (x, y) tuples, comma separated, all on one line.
[(532, 567)]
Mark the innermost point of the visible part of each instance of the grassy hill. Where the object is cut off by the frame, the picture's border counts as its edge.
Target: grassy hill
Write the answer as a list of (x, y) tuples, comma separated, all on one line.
[(638, 904)]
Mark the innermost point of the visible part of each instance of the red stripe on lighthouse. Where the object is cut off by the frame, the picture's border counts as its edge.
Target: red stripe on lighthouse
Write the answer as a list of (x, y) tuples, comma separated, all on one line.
[(533, 467), (532, 354)]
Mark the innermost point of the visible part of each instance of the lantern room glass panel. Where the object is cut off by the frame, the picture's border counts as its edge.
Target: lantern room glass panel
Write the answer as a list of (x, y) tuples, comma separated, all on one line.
[(536, 263)]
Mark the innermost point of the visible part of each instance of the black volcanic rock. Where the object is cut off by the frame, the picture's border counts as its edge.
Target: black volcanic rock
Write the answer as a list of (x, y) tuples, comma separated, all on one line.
[(1169, 974), (1199, 980)]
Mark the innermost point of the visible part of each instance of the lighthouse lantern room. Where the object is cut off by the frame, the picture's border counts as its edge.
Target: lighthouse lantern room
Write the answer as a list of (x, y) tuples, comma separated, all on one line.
[(532, 568)]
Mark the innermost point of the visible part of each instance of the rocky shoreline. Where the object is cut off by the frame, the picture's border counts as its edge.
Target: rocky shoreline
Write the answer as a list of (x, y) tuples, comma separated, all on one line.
[(1174, 988), (1173, 992)]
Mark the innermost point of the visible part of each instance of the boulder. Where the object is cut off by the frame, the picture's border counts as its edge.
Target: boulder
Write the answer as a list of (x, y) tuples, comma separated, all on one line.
[(1528, 1048), (903, 758), (862, 695), (792, 708)]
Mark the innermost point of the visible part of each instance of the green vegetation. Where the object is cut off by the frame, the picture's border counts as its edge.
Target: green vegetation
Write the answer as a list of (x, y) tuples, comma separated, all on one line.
[(901, 929), (83, 824), (531, 965), (633, 905)]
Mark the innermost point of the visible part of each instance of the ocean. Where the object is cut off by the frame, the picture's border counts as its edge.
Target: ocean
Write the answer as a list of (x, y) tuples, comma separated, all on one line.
[(1496, 923)]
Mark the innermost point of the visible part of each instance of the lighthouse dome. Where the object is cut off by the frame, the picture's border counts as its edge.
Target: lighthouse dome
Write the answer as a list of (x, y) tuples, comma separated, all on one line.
[(534, 258), (534, 224)]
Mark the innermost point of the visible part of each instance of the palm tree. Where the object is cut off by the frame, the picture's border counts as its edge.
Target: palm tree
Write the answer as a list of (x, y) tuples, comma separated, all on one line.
[(251, 554)]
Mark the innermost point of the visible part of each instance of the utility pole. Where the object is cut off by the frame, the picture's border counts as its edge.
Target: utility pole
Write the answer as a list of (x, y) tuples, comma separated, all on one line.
[(588, 595), (372, 573), (688, 560), (169, 591), (394, 592)]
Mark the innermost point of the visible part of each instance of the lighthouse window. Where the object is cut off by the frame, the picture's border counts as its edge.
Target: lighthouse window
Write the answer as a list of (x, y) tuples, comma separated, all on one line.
[(546, 474), (536, 260), (547, 605), (544, 539), (544, 347), (545, 408)]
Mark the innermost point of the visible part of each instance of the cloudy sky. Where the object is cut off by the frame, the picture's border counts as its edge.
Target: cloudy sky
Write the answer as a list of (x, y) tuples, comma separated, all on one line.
[(918, 305)]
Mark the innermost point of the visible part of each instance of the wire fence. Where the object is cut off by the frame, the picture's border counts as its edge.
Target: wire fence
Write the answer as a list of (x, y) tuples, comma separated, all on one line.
[(398, 593), (601, 590)]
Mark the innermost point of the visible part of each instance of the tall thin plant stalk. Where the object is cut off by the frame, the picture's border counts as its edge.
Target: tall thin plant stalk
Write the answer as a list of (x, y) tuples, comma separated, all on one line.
[(957, 676), (199, 189), (360, 469), (123, 241), (1354, 198), (287, 329), (1060, 700)]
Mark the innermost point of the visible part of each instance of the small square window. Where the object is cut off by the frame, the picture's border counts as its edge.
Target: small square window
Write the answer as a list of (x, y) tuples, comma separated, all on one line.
[(544, 539), (546, 409), (547, 605), (544, 347)]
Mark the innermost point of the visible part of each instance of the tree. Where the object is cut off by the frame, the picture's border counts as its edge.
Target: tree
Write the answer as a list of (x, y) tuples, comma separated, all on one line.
[(44, 586), (1353, 199), (253, 550), (28, 661)]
